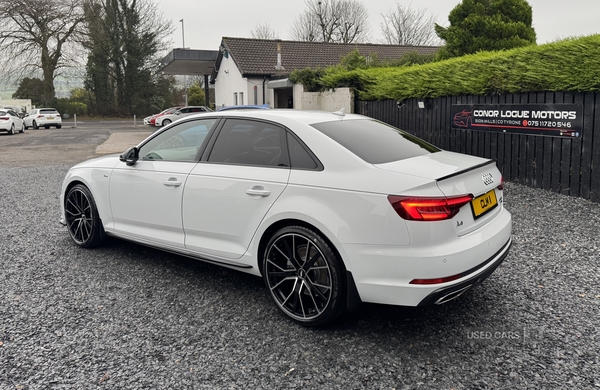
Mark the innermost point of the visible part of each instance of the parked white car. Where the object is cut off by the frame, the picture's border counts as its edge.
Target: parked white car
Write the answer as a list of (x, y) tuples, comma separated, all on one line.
[(331, 209), (43, 117), (10, 122), (179, 113)]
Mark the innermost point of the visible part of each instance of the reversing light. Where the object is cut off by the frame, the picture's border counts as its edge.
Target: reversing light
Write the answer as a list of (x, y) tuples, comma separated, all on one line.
[(428, 209)]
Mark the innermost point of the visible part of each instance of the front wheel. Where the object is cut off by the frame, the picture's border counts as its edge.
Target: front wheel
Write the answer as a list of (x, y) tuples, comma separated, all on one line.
[(83, 220), (305, 276)]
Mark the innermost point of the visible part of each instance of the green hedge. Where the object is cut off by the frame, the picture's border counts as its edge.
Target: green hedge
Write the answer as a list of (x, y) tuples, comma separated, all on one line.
[(568, 65)]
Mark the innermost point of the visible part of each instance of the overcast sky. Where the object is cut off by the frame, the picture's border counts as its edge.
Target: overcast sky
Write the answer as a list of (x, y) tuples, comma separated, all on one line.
[(207, 22)]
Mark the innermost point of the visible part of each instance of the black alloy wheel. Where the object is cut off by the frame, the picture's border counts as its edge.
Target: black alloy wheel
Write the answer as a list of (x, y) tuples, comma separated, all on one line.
[(82, 217), (305, 276)]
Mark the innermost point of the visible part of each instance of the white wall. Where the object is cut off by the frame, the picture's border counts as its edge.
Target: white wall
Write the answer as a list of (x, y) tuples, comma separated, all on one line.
[(25, 103), (327, 101), (229, 80)]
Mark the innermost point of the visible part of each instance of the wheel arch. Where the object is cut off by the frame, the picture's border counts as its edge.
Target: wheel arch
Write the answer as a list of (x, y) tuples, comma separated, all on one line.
[(352, 296)]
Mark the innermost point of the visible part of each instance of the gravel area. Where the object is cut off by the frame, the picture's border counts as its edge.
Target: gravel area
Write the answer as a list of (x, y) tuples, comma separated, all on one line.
[(128, 317)]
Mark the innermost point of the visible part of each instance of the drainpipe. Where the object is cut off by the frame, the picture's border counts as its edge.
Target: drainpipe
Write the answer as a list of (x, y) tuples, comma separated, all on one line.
[(264, 83)]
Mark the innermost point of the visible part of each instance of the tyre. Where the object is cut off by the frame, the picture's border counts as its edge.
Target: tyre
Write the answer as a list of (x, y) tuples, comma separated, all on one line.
[(22, 128), (58, 126), (83, 220), (35, 125), (46, 127), (305, 276), (166, 122), (11, 131)]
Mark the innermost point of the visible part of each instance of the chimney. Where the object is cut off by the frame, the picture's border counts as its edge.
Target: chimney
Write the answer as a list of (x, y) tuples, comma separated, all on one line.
[(279, 66)]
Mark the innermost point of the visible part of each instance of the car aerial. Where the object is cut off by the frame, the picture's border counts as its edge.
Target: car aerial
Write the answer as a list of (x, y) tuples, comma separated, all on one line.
[(43, 117), (245, 107), (179, 113), (150, 120), (330, 209), (10, 121)]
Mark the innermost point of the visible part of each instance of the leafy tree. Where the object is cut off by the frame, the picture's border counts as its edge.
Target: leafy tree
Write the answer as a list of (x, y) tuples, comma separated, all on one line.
[(34, 36), (407, 26), (487, 25), (30, 88), (263, 31), (124, 38), (196, 95), (339, 21)]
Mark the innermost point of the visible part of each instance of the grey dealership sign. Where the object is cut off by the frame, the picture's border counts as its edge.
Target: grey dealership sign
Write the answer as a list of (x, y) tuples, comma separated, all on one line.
[(559, 120)]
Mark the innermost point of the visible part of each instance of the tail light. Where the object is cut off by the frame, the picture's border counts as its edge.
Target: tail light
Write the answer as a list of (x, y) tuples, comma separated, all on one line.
[(4, 118), (40, 116), (428, 209), (501, 185)]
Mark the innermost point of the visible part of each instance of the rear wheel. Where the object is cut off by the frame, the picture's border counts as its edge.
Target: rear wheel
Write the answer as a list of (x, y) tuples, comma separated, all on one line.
[(166, 122), (83, 220), (305, 276), (35, 125), (46, 127), (11, 131), (58, 126), (22, 128)]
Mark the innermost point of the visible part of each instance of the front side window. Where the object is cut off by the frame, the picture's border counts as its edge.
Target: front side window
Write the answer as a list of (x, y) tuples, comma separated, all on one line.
[(247, 142), (179, 143)]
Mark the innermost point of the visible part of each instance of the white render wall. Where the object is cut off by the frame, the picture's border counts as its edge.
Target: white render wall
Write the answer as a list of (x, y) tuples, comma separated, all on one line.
[(229, 80), (327, 101)]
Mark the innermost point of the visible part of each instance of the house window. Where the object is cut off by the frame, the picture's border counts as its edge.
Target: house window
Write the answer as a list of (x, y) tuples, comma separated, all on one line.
[(242, 98), (235, 101)]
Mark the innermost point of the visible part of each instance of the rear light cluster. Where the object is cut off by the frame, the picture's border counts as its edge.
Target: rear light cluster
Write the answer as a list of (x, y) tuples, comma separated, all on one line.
[(501, 185), (428, 209), (4, 118)]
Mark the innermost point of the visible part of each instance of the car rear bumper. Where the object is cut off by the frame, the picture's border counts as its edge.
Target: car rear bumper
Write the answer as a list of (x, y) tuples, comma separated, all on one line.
[(446, 294), (383, 274)]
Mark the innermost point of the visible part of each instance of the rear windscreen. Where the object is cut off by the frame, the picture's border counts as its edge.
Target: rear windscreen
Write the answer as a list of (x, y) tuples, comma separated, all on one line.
[(49, 111), (374, 141)]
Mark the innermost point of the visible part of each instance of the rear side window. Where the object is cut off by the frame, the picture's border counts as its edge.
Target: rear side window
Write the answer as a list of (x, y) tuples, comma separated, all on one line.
[(247, 142), (374, 141)]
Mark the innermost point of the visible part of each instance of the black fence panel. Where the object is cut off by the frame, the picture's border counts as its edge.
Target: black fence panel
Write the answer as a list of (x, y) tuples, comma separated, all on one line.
[(568, 166)]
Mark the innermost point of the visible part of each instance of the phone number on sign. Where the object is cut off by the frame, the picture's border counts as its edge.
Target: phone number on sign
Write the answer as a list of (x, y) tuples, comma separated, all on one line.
[(550, 124)]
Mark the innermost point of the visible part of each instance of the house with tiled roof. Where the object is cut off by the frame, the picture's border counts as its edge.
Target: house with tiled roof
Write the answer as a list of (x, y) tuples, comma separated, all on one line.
[(255, 71)]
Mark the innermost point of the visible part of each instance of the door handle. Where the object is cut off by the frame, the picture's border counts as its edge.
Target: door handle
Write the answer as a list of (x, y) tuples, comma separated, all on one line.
[(172, 182), (258, 191)]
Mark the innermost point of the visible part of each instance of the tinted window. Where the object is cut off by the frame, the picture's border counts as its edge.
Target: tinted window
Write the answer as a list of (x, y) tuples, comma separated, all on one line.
[(299, 157), (248, 142), (49, 111), (179, 143), (374, 141)]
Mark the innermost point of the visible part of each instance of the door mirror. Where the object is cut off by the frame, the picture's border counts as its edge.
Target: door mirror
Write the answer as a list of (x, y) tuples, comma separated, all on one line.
[(130, 156)]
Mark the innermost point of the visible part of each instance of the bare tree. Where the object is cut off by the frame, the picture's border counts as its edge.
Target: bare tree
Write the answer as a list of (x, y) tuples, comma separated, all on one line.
[(340, 21), (35, 35), (263, 31), (408, 26)]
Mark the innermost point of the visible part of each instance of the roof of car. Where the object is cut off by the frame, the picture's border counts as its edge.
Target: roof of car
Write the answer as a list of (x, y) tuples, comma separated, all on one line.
[(282, 114)]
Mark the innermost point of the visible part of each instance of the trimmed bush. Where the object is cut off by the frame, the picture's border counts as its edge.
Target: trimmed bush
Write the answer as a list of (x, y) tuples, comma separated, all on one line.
[(567, 65)]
